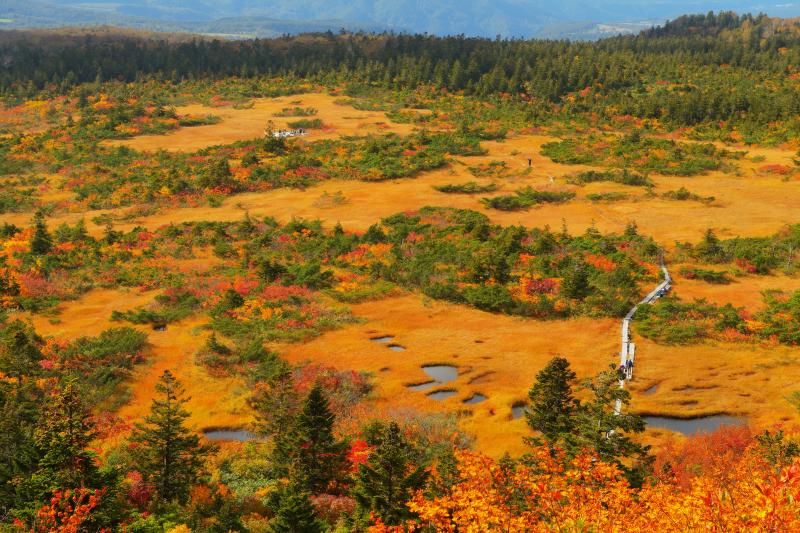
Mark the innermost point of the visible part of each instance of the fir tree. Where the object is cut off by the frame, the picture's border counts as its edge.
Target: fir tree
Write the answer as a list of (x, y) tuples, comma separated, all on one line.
[(276, 404), (312, 456), (168, 453), (710, 248), (295, 514), (389, 479), (64, 435), (42, 242), (20, 352), (598, 425), (552, 403), (19, 455), (575, 283)]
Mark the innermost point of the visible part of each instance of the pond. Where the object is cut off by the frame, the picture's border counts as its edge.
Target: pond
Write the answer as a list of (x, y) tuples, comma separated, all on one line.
[(383, 338), (441, 373), (517, 411), (441, 394), (690, 426), (397, 348), (422, 386), (475, 398), (238, 435)]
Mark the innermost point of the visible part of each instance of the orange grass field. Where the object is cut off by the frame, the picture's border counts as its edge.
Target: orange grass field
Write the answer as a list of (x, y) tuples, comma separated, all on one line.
[(249, 123), (497, 356), (215, 401)]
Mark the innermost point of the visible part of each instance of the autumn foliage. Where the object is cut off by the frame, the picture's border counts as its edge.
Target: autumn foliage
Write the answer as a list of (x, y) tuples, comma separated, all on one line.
[(542, 493)]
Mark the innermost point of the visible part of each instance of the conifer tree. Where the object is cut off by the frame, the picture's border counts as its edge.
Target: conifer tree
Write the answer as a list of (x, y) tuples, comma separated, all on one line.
[(168, 453), (19, 455), (599, 427), (575, 283), (42, 242), (317, 460), (552, 403), (64, 435), (20, 352), (276, 404), (389, 479), (295, 514)]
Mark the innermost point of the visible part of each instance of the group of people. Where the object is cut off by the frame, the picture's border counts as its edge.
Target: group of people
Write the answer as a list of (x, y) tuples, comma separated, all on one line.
[(626, 371), (282, 134)]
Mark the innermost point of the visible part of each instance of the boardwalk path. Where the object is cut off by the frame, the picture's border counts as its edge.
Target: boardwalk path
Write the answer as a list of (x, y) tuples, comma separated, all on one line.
[(628, 349)]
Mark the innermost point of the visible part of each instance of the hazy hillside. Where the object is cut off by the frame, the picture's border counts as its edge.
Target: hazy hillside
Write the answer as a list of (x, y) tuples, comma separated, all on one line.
[(569, 18)]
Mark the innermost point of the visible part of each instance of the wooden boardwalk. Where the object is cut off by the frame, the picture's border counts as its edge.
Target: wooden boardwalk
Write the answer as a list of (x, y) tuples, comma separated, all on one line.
[(628, 350)]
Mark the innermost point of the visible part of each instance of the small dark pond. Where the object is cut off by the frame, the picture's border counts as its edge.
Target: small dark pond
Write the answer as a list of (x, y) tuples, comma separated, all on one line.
[(651, 390), (517, 411), (441, 373), (384, 338), (475, 398), (691, 426), (239, 435), (159, 327), (396, 347), (441, 394)]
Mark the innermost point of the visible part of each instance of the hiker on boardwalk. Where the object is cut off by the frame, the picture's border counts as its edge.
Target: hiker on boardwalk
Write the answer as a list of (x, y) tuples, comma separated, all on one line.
[(629, 368), (621, 372)]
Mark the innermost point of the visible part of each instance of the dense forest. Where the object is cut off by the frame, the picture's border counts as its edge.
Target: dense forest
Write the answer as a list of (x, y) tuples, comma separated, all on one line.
[(696, 69)]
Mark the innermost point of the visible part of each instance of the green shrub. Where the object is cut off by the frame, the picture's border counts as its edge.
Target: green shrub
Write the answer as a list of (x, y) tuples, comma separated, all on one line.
[(709, 276), (470, 187), (307, 123), (670, 321), (189, 121), (683, 194), (525, 198), (296, 111), (624, 177), (607, 196)]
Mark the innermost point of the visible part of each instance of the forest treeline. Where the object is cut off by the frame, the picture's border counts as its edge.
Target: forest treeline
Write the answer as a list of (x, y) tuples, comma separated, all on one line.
[(695, 69)]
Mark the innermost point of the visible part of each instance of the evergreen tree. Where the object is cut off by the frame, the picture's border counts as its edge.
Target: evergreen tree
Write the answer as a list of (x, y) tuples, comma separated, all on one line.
[(575, 283), (19, 455), (710, 249), (42, 242), (276, 404), (295, 514), (169, 454), (389, 479), (552, 403), (309, 452), (20, 352), (599, 427), (64, 435)]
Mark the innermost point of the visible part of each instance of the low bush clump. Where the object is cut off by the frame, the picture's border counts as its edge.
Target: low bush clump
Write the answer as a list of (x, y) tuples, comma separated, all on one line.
[(607, 197), (470, 187), (670, 321), (103, 362), (525, 198), (636, 151), (307, 123), (709, 276), (173, 305), (295, 111), (624, 177), (683, 194)]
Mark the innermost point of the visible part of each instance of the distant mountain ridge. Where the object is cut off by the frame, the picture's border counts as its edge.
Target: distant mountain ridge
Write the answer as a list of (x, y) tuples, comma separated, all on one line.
[(575, 19)]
